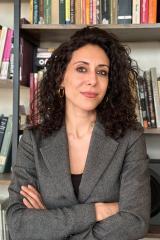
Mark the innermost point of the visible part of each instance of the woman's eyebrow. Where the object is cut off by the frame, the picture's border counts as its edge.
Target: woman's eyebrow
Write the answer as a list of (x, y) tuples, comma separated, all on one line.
[(100, 65)]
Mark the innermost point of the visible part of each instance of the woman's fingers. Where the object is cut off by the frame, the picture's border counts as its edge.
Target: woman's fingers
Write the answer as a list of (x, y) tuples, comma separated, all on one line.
[(27, 203), (33, 196)]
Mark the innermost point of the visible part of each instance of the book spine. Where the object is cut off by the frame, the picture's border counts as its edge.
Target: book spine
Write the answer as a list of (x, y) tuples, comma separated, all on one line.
[(158, 82), (3, 125), (72, 11), (98, 12), (47, 11), (83, 15), (113, 8), (124, 11), (91, 11), (31, 11), (87, 12), (2, 42), (35, 11), (67, 12), (94, 12), (41, 12), (105, 11), (62, 11), (6, 55), (142, 102), (4, 153), (146, 97), (144, 11), (147, 76), (138, 106), (155, 95), (152, 17), (78, 11), (136, 11), (55, 12), (158, 11)]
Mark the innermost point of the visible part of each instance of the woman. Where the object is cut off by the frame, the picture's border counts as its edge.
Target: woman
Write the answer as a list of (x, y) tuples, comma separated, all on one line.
[(82, 173)]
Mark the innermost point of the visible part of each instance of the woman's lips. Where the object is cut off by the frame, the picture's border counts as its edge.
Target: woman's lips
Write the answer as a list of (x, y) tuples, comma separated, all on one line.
[(89, 94)]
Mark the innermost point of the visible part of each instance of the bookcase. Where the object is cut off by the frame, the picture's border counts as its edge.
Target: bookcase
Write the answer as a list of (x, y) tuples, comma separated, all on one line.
[(134, 35)]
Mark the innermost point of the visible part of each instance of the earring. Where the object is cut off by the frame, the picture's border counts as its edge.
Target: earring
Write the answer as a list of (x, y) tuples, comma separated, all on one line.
[(61, 92), (106, 100)]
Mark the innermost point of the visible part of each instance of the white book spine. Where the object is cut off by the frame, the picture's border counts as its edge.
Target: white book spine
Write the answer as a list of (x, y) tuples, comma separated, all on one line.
[(136, 11)]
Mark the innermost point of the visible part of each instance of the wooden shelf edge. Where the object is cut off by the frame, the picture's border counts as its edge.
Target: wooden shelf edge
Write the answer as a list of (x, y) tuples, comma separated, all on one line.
[(5, 178), (150, 131), (79, 26)]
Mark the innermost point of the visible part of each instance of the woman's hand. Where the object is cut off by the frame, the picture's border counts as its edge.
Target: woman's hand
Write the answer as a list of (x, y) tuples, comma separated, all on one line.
[(105, 210), (32, 198)]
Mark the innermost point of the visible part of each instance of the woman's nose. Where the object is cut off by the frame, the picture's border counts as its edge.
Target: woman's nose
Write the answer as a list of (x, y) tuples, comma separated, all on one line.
[(92, 79)]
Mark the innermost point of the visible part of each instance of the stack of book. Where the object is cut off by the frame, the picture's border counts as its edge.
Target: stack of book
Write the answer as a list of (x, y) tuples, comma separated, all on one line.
[(94, 12), (148, 90)]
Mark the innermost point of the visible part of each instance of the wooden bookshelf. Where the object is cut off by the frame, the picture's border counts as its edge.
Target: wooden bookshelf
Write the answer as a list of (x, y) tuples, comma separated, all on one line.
[(8, 83), (152, 131), (5, 178), (60, 32)]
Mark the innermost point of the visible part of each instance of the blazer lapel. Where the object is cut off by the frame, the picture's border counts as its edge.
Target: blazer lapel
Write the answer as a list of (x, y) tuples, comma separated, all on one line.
[(101, 152), (56, 155)]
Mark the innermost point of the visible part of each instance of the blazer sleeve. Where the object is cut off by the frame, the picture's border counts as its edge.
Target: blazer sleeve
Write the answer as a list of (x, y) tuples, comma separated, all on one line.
[(33, 224), (132, 221)]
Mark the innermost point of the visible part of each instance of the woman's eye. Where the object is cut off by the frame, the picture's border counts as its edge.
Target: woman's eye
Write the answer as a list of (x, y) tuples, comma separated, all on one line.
[(103, 73), (81, 69)]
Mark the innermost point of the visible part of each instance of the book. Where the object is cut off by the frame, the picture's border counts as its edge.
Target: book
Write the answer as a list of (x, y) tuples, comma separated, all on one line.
[(5, 153), (135, 11), (152, 15), (155, 95), (26, 60), (151, 108), (47, 11), (113, 11), (105, 11), (72, 12), (67, 12), (62, 11), (144, 10), (124, 11), (158, 11), (41, 12), (35, 11), (6, 55), (98, 12), (2, 42), (78, 12), (3, 124), (142, 101), (55, 12)]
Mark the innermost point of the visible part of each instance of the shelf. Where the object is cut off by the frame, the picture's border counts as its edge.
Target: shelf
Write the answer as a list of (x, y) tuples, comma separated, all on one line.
[(5, 178), (8, 83), (61, 32), (150, 131), (154, 232)]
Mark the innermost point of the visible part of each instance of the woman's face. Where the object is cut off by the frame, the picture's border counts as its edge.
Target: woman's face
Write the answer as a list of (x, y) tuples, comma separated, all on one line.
[(86, 78)]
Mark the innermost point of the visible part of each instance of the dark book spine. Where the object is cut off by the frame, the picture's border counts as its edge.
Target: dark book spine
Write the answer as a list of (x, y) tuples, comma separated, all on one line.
[(158, 11), (41, 12), (124, 11), (105, 12), (61, 11), (146, 96), (150, 98), (142, 101), (72, 11), (35, 11)]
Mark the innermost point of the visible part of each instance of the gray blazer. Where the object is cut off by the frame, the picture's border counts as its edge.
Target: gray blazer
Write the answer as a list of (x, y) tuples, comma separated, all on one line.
[(115, 171)]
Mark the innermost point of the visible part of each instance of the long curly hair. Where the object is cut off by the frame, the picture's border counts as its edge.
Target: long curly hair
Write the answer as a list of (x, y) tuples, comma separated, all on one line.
[(116, 111)]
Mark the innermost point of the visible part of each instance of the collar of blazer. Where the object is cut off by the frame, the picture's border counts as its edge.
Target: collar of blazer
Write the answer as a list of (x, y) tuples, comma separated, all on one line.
[(102, 148)]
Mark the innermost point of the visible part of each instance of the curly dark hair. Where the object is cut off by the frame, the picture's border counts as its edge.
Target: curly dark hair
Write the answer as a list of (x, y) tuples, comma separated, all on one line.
[(118, 113)]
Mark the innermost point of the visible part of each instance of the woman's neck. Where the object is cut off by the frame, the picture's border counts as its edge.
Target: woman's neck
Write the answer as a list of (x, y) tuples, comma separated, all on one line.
[(80, 123)]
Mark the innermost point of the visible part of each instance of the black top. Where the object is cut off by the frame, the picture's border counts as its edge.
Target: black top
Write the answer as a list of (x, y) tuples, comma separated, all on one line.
[(76, 179)]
